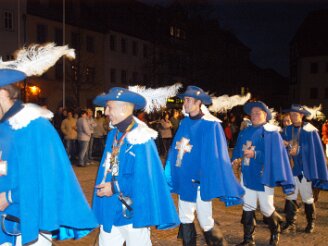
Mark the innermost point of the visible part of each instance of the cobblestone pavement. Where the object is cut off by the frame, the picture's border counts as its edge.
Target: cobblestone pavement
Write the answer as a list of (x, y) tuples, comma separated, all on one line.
[(227, 218)]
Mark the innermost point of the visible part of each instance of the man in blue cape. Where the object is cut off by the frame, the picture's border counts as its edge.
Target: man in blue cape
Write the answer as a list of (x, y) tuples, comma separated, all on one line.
[(264, 165), (198, 168), (131, 193), (40, 197), (309, 166)]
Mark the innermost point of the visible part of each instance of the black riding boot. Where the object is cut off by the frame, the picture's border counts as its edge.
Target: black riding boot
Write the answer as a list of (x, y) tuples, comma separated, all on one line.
[(310, 217), (249, 222), (214, 236), (291, 208), (188, 234), (274, 225)]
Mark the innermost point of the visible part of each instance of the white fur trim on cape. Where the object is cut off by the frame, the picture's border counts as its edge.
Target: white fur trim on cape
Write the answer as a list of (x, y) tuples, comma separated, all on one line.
[(309, 128), (141, 134), (27, 114), (207, 115), (210, 117), (271, 128)]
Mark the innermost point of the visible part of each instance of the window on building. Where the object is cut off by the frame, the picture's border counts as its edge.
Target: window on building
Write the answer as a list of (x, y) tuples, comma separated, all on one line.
[(123, 45), (90, 74), (314, 67), (313, 93), (135, 48), (326, 93), (75, 72), (9, 20), (145, 78), (58, 36), (41, 33), (145, 51), (177, 32), (113, 75), (135, 77), (59, 70), (90, 46), (123, 76), (112, 42), (76, 40)]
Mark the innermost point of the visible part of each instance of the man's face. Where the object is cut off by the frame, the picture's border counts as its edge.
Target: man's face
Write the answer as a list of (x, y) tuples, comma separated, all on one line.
[(115, 111), (296, 117), (286, 121), (258, 116), (4, 95), (191, 105)]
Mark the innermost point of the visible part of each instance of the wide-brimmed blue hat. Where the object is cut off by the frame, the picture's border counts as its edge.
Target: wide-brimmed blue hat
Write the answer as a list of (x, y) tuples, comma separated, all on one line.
[(297, 108), (198, 93), (123, 95), (9, 76), (248, 108)]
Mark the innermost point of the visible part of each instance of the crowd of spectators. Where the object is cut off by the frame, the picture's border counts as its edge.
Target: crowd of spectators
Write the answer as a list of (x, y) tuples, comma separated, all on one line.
[(84, 133)]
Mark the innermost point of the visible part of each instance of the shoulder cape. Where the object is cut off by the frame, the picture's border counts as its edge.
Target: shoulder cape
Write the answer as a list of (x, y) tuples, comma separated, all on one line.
[(313, 157), (49, 195), (152, 202), (216, 175), (277, 170)]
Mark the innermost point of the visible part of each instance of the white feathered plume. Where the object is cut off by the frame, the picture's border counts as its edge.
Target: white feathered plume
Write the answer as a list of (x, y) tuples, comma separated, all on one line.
[(36, 59), (315, 112), (273, 120), (224, 103), (156, 98)]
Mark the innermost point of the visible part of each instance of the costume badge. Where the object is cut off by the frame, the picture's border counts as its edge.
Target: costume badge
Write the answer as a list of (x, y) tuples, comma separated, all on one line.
[(247, 146), (3, 166), (106, 166), (183, 147)]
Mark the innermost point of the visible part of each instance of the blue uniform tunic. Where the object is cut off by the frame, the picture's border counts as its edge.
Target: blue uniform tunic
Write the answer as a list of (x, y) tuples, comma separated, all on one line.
[(310, 160), (207, 165), (252, 173)]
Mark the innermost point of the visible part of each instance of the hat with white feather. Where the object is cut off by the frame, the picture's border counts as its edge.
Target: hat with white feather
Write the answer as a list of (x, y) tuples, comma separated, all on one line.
[(32, 61), (198, 93), (147, 99)]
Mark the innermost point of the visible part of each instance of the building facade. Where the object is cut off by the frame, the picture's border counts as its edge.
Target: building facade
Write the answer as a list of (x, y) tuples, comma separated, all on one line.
[(309, 61)]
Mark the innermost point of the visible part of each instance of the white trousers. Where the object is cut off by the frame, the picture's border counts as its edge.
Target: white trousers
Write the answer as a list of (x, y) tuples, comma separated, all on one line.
[(40, 242), (120, 234), (204, 212), (265, 199), (305, 189)]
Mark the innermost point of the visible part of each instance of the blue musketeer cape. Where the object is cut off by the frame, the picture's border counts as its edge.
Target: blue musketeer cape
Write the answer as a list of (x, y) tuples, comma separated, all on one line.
[(312, 155), (276, 166), (207, 165), (141, 177), (45, 193)]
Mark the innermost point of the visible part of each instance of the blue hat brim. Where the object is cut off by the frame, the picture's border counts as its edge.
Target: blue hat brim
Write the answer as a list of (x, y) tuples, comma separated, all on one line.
[(196, 92), (248, 108), (304, 112), (123, 95), (10, 76)]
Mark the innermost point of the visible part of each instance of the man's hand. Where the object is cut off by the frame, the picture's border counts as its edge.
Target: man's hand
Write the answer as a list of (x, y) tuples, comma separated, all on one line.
[(104, 189), (236, 163), (3, 201), (249, 153), (286, 143)]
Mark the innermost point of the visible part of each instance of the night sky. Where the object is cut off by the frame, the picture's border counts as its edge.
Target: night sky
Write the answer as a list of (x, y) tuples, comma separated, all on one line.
[(265, 26)]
